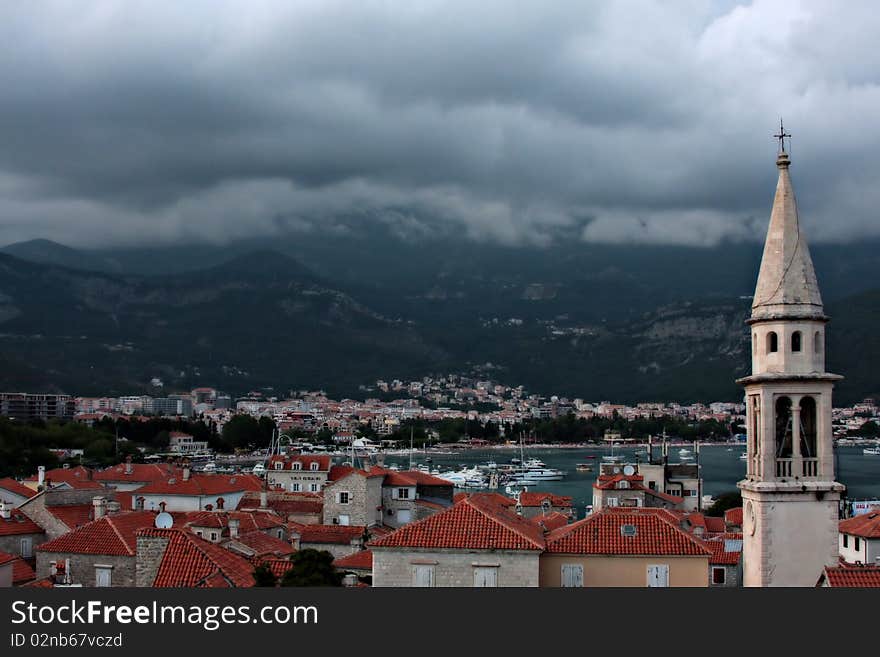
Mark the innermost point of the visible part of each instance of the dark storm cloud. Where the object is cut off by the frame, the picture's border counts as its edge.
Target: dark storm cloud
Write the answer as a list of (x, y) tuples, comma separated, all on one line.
[(632, 122)]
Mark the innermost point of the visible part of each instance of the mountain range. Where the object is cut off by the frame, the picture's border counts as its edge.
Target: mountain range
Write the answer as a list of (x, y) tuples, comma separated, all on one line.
[(597, 322)]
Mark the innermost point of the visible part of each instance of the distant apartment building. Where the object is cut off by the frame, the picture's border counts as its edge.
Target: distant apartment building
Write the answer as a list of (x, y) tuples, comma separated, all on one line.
[(25, 406), (172, 405)]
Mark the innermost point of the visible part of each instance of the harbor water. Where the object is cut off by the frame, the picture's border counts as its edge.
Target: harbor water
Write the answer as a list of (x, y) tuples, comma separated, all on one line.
[(720, 465)]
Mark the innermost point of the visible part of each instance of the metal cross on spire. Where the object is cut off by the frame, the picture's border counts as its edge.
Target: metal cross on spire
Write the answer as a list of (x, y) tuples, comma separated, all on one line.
[(781, 137)]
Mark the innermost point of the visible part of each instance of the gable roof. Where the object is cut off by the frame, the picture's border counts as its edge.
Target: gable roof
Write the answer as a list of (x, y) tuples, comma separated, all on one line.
[(72, 515), (247, 520), (336, 534), (202, 484), (602, 533), (734, 516), (720, 555), (866, 525), (140, 472), (191, 562), (852, 576), (18, 523), (362, 560), (305, 461), (66, 475), (477, 522), (550, 521), (262, 544), (532, 499), (16, 488), (111, 535)]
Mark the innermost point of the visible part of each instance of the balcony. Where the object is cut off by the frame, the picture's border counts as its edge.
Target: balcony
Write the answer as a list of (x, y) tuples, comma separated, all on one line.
[(800, 467)]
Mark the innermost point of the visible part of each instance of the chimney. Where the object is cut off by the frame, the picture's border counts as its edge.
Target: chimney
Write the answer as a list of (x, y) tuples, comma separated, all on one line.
[(220, 503), (41, 475), (99, 507), (53, 568), (5, 511), (264, 500), (209, 507), (139, 503), (161, 507), (128, 468), (350, 580), (233, 527), (113, 507), (186, 471)]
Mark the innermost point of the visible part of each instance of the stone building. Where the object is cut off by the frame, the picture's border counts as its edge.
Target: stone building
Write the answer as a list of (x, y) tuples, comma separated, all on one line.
[(354, 497), (476, 542), (789, 483), (300, 473), (100, 553), (19, 535)]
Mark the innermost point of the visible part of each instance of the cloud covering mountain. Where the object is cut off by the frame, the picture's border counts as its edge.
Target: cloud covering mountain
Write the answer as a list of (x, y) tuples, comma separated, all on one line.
[(631, 122)]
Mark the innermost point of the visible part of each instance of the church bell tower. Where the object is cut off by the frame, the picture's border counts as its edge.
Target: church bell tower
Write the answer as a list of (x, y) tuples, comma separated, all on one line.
[(790, 497)]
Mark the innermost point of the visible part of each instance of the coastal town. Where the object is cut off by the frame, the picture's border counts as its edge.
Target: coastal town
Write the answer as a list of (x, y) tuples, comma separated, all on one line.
[(334, 511)]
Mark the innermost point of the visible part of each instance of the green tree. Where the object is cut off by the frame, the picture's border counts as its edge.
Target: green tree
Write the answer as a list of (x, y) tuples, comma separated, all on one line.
[(312, 568), (263, 576), (725, 501)]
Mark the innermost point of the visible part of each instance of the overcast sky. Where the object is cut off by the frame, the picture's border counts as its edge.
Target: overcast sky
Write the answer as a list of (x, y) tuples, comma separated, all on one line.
[(127, 122)]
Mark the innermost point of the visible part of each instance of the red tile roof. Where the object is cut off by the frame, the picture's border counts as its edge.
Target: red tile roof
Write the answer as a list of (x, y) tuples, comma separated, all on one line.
[(478, 522), (15, 487), (608, 482), (18, 523), (714, 524), (21, 569), (110, 535), (279, 567), (362, 560), (852, 576), (601, 533), (866, 525), (67, 475), (284, 503), (550, 521), (532, 499), (720, 557), (192, 562), (305, 461), (201, 484), (734, 516), (140, 472), (338, 534), (72, 515), (247, 520), (264, 545), (339, 471)]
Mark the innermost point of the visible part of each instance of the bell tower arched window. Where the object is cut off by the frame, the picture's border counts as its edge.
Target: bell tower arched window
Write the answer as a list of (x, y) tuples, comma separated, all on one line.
[(772, 342), (817, 342), (783, 428), (796, 341), (808, 427)]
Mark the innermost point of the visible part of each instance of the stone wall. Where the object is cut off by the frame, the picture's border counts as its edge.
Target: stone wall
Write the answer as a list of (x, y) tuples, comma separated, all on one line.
[(150, 550), (12, 544), (393, 567), (82, 567), (364, 500)]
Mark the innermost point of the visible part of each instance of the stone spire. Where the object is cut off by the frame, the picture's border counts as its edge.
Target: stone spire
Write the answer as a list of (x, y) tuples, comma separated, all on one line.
[(787, 286)]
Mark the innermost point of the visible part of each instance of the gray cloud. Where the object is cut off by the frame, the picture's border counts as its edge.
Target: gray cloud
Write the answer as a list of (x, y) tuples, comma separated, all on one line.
[(633, 122)]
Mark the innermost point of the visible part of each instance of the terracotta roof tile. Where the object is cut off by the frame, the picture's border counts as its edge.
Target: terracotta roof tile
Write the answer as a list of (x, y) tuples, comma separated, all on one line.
[(603, 533), (480, 521), (279, 567), (852, 576), (18, 523), (78, 473), (338, 534), (304, 460), (362, 560), (111, 535), (720, 556), (734, 516), (15, 487), (202, 484), (866, 525), (550, 521), (21, 569), (534, 499), (72, 515), (140, 472), (264, 545), (192, 562)]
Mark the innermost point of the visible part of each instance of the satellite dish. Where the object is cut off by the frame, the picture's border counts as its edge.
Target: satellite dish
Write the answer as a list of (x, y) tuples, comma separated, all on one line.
[(164, 520), (628, 470)]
